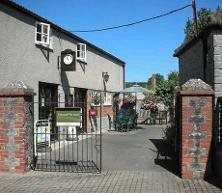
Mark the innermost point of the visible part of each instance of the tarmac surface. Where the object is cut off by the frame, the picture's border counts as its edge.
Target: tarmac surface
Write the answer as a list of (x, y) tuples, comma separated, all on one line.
[(135, 161), (138, 150)]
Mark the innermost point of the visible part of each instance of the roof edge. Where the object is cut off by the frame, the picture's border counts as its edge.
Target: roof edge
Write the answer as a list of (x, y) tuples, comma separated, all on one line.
[(184, 46), (36, 16)]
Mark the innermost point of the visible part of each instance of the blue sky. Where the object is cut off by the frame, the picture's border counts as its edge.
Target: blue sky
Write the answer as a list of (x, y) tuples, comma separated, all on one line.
[(146, 48)]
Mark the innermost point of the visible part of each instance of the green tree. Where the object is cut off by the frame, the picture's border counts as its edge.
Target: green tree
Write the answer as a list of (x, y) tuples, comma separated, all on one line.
[(203, 19), (173, 77), (165, 90), (189, 30), (159, 79)]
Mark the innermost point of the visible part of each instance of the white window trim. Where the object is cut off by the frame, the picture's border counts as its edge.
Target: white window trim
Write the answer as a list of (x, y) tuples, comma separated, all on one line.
[(95, 93), (81, 50), (49, 41), (107, 99)]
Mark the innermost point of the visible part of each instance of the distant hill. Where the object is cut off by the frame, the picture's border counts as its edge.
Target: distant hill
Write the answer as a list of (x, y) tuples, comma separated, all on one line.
[(142, 84)]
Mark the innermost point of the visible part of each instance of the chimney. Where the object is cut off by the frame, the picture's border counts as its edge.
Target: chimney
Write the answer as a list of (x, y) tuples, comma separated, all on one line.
[(154, 82)]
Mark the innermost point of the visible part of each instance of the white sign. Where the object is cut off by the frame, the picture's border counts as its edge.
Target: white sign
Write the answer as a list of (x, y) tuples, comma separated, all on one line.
[(71, 133), (42, 133)]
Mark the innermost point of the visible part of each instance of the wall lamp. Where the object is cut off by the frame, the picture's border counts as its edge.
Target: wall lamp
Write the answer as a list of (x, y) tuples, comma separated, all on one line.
[(105, 76)]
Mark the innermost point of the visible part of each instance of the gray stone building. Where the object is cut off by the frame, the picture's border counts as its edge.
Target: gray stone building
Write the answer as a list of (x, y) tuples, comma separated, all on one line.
[(62, 68), (201, 57)]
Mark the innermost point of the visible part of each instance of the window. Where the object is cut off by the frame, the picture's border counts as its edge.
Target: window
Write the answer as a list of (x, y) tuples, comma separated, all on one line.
[(42, 34), (81, 51), (69, 100), (107, 99), (95, 98)]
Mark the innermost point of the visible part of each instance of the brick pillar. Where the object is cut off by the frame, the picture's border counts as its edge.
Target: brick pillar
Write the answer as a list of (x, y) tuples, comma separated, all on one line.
[(196, 128), (16, 128)]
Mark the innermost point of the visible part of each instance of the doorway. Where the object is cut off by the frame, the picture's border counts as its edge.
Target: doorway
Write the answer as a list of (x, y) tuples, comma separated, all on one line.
[(48, 100), (80, 100)]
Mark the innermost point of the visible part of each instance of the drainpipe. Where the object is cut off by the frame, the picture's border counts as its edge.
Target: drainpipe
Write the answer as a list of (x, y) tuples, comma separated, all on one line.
[(205, 51), (124, 76)]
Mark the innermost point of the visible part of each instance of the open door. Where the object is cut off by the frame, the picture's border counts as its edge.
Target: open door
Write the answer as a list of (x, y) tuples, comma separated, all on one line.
[(80, 100)]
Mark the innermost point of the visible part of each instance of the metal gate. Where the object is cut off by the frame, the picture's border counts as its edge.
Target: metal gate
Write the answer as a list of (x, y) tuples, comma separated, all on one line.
[(67, 148)]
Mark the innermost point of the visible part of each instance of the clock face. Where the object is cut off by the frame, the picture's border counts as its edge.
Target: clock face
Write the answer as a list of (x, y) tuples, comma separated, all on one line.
[(68, 59)]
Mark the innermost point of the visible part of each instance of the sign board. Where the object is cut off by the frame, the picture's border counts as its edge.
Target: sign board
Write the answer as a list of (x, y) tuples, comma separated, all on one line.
[(68, 116), (42, 131), (93, 112)]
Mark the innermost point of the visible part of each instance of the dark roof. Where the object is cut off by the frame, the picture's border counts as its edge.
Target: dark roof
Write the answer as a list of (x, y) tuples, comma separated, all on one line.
[(215, 23), (39, 18), (216, 17)]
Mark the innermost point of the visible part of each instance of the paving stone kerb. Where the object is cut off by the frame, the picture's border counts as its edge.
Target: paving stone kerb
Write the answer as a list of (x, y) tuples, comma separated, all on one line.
[(196, 99), (16, 127)]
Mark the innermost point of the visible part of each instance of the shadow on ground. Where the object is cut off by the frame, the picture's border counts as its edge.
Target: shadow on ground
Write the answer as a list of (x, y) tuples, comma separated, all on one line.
[(166, 157), (138, 127), (214, 181)]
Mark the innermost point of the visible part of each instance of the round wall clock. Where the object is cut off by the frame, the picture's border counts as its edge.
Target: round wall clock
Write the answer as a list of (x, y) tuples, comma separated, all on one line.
[(68, 59)]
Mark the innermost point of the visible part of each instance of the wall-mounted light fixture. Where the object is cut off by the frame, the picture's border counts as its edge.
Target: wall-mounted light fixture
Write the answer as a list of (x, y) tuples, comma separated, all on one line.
[(105, 76)]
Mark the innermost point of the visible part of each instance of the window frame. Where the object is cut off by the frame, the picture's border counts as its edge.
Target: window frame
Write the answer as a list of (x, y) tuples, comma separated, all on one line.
[(69, 100), (42, 24), (107, 99), (81, 53), (93, 95)]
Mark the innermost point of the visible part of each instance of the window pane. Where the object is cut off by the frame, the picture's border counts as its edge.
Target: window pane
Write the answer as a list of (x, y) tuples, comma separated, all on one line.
[(44, 38), (38, 37), (78, 47), (68, 100), (78, 53), (108, 98), (39, 28), (81, 51), (45, 29)]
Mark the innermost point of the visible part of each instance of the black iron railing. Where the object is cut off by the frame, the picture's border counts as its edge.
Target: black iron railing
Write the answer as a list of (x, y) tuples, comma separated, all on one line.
[(78, 152)]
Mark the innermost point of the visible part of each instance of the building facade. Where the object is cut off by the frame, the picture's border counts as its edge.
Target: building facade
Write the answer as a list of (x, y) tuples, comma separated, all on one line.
[(201, 57), (37, 52)]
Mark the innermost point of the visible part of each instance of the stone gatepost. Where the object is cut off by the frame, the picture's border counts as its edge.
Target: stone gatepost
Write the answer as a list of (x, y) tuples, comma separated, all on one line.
[(196, 123), (16, 128)]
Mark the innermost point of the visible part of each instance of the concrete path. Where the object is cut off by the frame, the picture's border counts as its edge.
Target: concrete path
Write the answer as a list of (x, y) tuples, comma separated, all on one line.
[(130, 165)]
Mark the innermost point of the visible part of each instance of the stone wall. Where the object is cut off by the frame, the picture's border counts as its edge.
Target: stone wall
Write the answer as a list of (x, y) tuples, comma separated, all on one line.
[(191, 63), (217, 57), (209, 79)]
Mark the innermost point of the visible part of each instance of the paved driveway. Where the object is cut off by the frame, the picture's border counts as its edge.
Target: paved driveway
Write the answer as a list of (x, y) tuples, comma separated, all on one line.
[(137, 151)]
